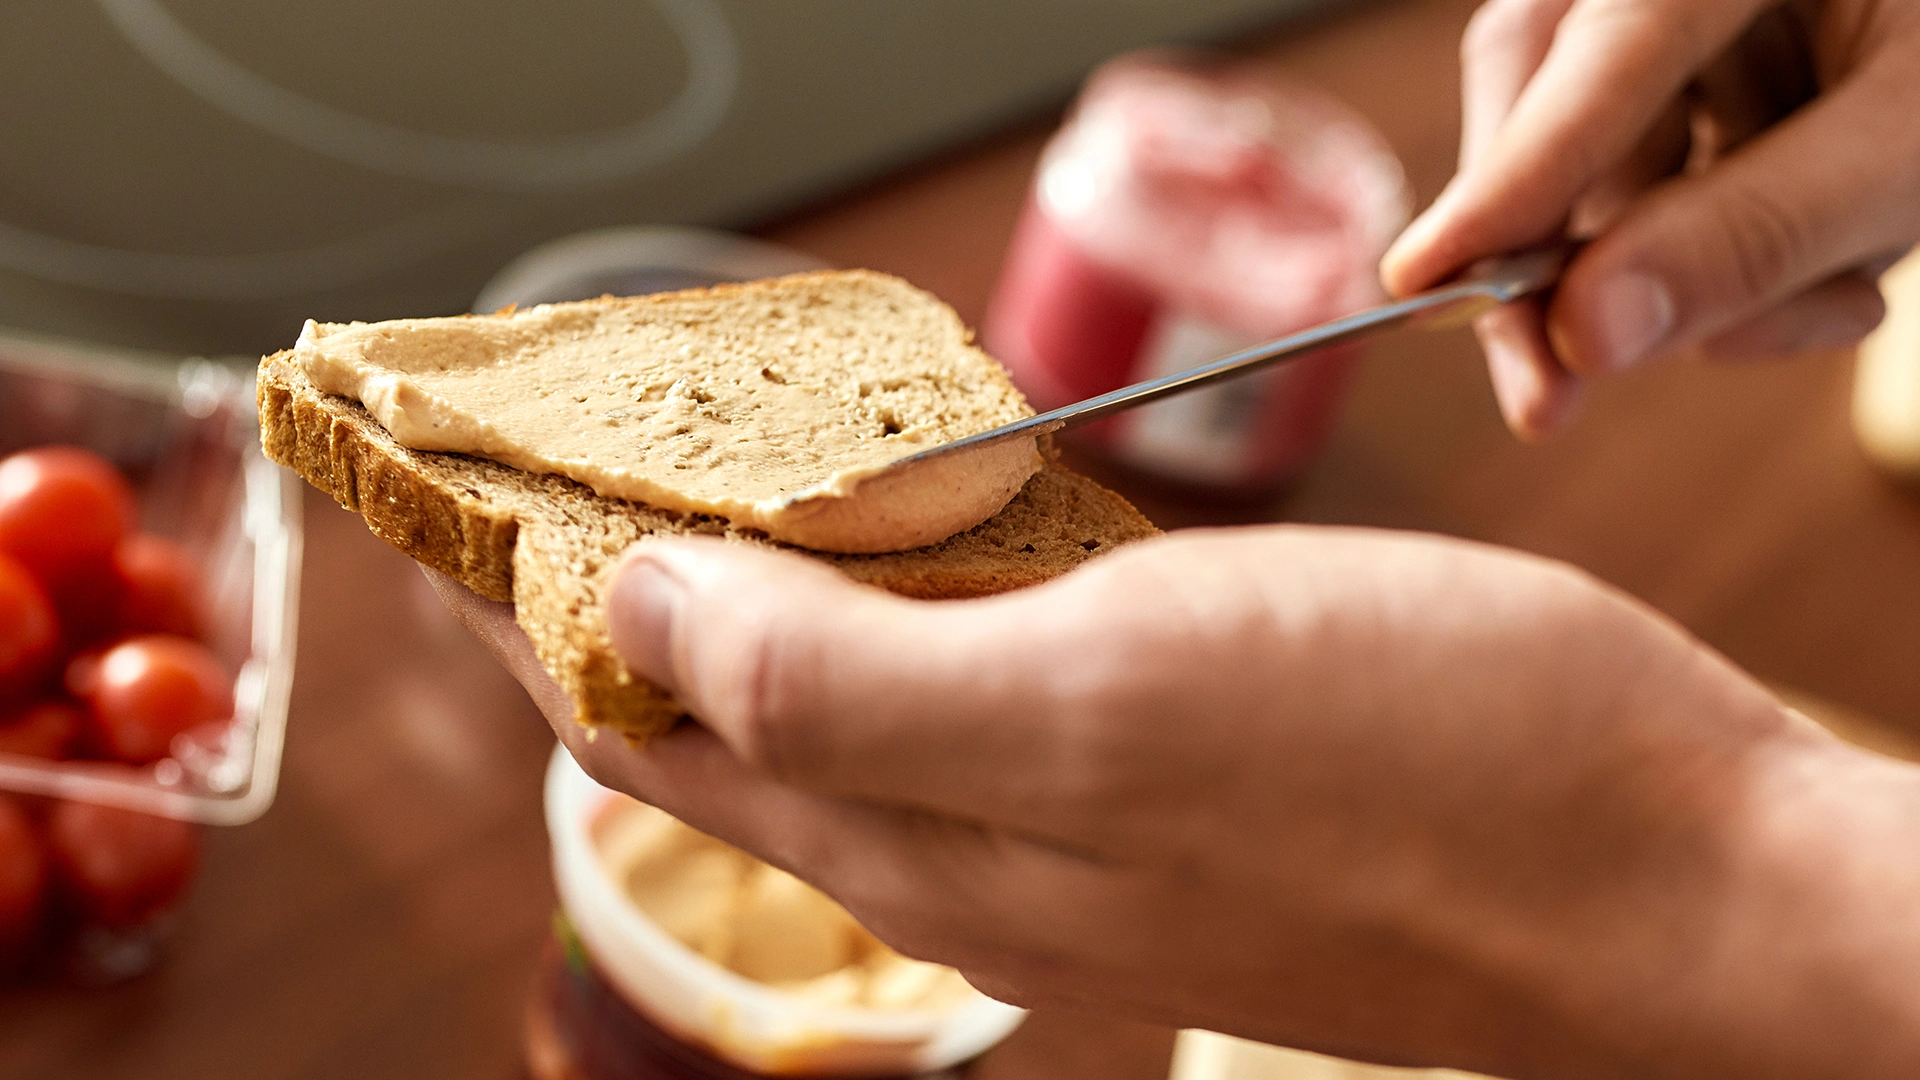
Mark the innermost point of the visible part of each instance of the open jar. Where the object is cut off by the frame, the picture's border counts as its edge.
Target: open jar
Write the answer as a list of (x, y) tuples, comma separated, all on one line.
[(623, 993)]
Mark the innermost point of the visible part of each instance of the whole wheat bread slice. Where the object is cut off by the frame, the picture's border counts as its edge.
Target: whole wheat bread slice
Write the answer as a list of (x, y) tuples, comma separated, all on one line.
[(547, 544)]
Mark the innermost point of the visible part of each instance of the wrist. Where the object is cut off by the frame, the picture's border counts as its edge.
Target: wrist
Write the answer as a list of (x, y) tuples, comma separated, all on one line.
[(1821, 938), (1789, 948), (1750, 908)]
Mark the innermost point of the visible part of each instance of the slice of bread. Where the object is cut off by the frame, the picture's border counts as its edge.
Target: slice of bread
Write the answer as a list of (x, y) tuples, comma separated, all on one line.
[(736, 401), (547, 544)]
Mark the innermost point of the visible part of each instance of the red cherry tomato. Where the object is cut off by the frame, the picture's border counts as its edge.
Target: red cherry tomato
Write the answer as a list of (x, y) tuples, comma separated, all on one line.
[(29, 632), (147, 690), (45, 729), (62, 510), (159, 587), (120, 867), (23, 881)]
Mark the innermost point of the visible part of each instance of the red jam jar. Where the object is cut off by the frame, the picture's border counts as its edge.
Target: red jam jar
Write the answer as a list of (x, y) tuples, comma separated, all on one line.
[(1193, 205)]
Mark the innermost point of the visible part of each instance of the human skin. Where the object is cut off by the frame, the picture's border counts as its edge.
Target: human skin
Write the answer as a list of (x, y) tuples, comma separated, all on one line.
[(1394, 797), (1400, 798), (1745, 172)]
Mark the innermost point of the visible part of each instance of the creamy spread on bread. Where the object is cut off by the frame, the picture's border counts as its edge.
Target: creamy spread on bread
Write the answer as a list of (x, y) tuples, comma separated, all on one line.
[(775, 404), (758, 921)]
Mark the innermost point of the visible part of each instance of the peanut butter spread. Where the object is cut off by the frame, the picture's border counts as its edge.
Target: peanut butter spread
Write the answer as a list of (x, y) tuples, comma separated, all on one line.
[(768, 403), (758, 921)]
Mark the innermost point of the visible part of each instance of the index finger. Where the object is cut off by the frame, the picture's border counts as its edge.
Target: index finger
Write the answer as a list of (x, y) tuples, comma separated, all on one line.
[(1612, 69)]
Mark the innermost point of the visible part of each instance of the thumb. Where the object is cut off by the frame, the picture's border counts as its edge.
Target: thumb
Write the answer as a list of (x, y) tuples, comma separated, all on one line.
[(829, 684), (1831, 188)]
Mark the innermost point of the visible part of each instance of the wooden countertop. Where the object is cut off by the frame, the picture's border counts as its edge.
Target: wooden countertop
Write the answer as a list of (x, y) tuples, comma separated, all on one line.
[(383, 920)]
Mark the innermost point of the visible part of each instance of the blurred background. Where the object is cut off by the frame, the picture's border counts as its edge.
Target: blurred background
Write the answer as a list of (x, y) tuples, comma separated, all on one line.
[(196, 177), (201, 175)]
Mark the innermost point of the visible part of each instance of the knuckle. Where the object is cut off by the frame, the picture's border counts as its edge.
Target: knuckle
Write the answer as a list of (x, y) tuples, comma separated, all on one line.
[(1502, 26), (1763, 240), (1108, 714), (1686, 29), (1094, 777), (1667, 35)]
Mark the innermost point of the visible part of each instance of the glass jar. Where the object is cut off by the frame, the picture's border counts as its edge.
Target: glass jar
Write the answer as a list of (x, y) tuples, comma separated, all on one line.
[(1193, 205)]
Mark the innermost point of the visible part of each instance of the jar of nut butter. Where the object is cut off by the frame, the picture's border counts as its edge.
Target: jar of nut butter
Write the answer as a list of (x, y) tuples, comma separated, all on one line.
[(677, 956)]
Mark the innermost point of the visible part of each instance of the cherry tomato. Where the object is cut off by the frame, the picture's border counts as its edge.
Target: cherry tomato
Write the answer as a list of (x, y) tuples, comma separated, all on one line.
[(62, 510), (23, 880), (29, 632), (45, 729), (159, 587), (149, 689), (120, 867)]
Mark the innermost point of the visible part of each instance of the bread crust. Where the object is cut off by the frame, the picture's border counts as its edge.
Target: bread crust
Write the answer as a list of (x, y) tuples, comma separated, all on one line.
[(547, 544)]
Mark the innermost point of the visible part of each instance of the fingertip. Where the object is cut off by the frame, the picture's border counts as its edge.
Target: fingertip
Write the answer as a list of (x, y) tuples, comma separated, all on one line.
[(746, 637), (1459, 227), (1537, 397), (709, 561), (649, 601), (1530, 408), (1417, 258), (664, 551), (1550, 412), (666, 591), (1399, 266), (644, 596), (1611, 313)]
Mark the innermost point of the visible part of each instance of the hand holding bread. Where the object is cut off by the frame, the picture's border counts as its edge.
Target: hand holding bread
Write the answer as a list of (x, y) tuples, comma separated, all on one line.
[(860, 361), (1281, 782), (1285, 783)]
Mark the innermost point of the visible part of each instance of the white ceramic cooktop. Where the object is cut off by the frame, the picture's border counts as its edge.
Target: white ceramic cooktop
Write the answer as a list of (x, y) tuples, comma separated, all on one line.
[(199, 175)]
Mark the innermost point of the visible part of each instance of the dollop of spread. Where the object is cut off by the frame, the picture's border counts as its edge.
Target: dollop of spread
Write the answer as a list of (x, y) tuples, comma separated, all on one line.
[(760, 922), (770, 404)]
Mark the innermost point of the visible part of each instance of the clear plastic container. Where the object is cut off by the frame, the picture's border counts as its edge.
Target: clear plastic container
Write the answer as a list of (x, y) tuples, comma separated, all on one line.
[(186, 434)]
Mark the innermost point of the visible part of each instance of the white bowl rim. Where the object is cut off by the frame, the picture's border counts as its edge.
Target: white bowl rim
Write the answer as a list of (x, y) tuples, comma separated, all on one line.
[(574, 800)]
